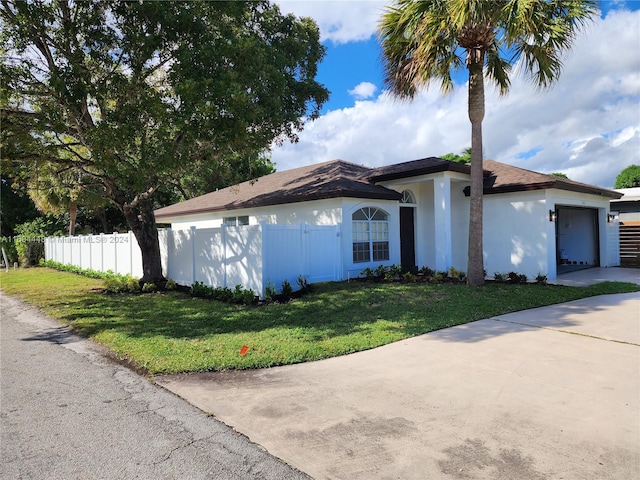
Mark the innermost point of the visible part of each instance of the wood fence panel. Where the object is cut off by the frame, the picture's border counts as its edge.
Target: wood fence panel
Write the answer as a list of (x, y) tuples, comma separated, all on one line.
[(629, 245)]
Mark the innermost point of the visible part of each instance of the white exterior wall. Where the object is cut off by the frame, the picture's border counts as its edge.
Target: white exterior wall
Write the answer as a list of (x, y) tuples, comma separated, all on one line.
[(425, 233), (317, 212), (519, 237), (607, 247), (460, 205), (441, 220), (518, 234), (350, 269), (320, 213)]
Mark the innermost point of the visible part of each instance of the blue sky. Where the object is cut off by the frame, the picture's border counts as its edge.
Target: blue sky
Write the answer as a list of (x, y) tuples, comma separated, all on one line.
[(587, 125)]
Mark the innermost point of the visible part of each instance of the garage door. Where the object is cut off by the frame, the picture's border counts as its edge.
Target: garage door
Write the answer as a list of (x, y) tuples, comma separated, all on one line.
[(577, 243)]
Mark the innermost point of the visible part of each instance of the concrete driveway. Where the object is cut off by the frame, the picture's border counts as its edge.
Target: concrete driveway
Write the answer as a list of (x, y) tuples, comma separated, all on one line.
[(549, 393)]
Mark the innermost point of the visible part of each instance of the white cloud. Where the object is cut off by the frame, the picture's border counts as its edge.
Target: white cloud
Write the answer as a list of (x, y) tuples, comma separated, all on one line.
[(587, 125), (340, 21), (363, 90)]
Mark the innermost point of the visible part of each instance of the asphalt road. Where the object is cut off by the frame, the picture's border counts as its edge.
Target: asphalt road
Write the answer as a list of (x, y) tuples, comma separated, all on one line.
[(68, 412)]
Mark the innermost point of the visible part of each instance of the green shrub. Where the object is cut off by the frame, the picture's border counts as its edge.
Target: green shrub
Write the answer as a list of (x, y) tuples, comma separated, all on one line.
[(426, 272), (368, 274), (438, 277), (148, 287), (242, 296), (29, 242), (121, 284), (199, 289), (457, 276), (409, 277), (170, 285), (115, 285), (270, 291), (222, 294), (396, 271), (287, 290), (303, 284), (133, 284), (380, 271), (541, 279), (500, 277)]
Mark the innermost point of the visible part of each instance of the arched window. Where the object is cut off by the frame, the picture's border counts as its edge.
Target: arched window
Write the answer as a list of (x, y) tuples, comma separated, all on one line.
[(407, 197), (370, 235)]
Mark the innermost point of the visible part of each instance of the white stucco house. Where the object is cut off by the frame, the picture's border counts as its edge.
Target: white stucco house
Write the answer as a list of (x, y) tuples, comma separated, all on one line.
[(417, 214)]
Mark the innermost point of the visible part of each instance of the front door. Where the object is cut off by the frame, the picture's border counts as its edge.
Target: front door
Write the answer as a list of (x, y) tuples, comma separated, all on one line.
[(407, 239)]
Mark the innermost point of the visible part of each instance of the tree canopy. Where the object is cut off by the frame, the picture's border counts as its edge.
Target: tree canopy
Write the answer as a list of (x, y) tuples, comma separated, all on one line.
[(427, 41), (137, 96), (629, 177), (462, 157)]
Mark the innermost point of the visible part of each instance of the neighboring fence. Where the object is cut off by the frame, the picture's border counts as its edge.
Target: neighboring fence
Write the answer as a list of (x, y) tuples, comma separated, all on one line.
[(249, 256), (118, 252), (629, 245)]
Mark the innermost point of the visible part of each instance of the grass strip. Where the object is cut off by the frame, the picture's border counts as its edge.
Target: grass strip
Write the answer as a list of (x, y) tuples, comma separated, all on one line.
[(172, 332)]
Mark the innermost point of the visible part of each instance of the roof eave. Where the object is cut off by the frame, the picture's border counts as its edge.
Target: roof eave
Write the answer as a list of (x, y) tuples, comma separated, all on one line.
[(448, 167), (545, 186), (379, 195)]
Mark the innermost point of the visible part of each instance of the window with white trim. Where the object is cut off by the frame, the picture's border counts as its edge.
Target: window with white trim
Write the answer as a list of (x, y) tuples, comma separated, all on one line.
[(236, 221), (370, 235), (407, 197)]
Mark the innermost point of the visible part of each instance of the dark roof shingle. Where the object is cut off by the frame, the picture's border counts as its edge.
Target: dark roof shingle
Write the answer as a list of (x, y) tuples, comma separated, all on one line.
[(338, 178), (503, 178), (414, 168), (332, 179)]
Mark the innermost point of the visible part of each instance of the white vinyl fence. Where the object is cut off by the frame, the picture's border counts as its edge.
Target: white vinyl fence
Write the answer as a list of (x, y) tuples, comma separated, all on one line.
[(249, 256)]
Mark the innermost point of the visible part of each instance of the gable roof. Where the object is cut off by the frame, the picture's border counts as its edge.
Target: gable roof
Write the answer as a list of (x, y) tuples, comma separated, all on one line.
[(333, 179), (414, 168), (503, 178)]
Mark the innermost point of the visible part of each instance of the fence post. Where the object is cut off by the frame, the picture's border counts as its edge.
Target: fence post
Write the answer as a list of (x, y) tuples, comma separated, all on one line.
[(193, 254), (340, 251), (90, 251), (170, 249), (265, 257), (223, 240), (115, 252), (304, 241), (130, 253), (102, 252)]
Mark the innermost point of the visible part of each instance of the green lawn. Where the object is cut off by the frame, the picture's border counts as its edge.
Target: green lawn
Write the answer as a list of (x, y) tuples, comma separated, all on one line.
[(172, 332)]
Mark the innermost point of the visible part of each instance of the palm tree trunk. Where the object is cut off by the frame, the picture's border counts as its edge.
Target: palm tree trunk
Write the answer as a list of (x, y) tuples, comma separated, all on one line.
[(475, 268)]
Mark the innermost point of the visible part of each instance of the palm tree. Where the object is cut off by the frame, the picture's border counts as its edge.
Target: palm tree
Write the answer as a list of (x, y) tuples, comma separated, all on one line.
[(427, 40)]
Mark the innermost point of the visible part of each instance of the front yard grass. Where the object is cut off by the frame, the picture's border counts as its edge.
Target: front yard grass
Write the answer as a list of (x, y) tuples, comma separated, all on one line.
[(171, 332)]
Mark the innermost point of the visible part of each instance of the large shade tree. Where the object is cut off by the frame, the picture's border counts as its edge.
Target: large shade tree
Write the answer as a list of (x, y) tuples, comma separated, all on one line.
[(426, 41), (138, 95)]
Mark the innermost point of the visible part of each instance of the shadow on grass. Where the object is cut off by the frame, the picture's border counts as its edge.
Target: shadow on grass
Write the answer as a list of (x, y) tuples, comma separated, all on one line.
[(335, 310)]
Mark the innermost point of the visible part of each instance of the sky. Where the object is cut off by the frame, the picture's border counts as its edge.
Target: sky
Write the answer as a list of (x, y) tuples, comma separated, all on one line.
[(586, 126)]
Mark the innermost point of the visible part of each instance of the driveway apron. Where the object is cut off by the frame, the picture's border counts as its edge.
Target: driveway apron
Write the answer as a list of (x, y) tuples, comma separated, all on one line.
[(552, 392)]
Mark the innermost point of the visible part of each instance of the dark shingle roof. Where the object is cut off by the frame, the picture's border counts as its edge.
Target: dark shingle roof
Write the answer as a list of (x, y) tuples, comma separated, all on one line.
[(503, 178), (332, 179), (414, 168), (338, 178)]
